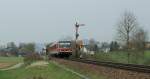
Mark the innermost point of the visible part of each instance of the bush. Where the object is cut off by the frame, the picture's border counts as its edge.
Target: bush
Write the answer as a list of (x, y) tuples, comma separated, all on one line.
[(32, 57)]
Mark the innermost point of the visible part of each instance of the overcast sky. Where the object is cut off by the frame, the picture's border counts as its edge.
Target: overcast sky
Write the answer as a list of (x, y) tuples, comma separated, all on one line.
[(49, 20)]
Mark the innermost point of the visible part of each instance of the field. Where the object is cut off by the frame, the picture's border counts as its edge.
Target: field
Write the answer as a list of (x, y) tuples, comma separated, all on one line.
[(9, 61), (51, 71)]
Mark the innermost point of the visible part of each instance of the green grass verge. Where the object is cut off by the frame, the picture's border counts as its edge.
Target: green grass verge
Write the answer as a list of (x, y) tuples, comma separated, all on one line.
[(87, 71), (49, 72)]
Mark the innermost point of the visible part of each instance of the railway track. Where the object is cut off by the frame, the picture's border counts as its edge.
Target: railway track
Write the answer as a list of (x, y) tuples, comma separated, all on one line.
[(131, 67)]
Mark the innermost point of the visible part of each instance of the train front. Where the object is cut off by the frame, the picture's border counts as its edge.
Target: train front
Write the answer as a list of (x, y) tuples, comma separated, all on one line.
[(64, 48)]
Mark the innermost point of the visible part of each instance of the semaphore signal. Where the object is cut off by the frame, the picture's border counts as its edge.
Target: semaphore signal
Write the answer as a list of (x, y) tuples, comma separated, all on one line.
[(77, 25)]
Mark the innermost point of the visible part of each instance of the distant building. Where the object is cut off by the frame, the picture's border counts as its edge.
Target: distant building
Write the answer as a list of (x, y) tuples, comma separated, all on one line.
[(104, 47)]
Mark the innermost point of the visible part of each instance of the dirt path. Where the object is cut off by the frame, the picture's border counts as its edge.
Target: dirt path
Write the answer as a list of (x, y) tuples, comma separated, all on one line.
[(5, 65), (13, 67), (39, 63)]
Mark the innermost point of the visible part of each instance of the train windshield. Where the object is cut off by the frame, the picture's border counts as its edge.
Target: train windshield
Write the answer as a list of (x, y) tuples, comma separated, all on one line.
[(64, 45)]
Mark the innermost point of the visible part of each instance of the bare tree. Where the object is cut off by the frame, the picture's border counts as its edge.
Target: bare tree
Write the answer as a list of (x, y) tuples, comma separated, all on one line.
[(25, 48), (139, 39), (126, 27), (12, 48), (92, 45)]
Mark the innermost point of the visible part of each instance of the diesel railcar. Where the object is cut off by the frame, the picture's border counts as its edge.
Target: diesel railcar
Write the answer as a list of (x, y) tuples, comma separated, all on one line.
[(60, 49)]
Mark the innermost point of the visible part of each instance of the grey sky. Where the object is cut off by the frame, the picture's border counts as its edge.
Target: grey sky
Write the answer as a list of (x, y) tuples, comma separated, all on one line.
[(49, 20)]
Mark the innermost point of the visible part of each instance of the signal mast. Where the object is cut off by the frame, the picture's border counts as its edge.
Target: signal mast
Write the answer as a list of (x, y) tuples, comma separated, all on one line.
[(77, 25)]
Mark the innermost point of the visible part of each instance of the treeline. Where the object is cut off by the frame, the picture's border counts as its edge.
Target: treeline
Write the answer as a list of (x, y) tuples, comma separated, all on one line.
[(11, 49)]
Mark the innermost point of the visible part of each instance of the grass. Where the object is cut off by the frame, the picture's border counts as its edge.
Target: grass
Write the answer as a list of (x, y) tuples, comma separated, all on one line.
[(51, 71), (147, 54), (111, 56), (11, 59), (122, 57), (87, 70)]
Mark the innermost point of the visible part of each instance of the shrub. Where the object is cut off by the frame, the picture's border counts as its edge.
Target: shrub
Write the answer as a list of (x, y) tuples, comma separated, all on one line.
[(32, 57)]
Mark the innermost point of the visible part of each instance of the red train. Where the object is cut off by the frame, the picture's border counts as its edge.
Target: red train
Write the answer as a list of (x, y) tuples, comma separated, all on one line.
[(61, 49)]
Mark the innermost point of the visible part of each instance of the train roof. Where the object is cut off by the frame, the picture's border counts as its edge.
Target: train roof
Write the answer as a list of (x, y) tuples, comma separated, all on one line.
[(52, 44)]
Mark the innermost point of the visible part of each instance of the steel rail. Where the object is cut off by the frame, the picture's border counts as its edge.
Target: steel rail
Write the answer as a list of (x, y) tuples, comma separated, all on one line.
[(131, 67)]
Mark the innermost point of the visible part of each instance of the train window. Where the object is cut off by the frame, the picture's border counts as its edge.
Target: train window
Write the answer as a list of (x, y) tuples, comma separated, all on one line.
[(64, 45)]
